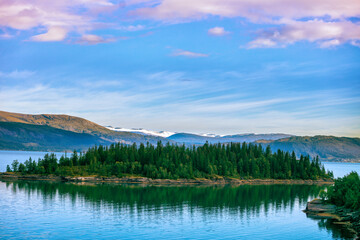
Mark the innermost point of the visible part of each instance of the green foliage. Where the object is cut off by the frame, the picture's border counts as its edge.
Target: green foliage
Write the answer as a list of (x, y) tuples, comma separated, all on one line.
[(174, 161), (346, 191), (15, 165)]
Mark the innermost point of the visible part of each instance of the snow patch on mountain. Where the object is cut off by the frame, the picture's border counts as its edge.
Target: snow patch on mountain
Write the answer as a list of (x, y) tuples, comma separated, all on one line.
[(163, 134), (210, 135)]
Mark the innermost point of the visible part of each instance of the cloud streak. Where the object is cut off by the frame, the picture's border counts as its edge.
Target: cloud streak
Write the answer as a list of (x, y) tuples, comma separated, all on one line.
[(184, 53), (91, 39), (163, 102)]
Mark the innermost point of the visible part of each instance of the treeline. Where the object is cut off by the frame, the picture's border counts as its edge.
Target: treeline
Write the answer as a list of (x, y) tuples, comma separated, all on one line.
[(346, 191), (174, 161)]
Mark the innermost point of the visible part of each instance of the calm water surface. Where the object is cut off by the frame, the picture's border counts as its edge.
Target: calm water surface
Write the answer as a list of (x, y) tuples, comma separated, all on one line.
[(44, 210), (341, 169)]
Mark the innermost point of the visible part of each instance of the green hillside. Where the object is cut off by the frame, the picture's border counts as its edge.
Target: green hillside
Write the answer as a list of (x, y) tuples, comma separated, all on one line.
[(328, 148), (76, 125), (21, 136)]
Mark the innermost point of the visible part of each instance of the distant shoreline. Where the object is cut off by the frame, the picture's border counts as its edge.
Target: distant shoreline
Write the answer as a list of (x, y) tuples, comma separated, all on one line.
[(145, 180)]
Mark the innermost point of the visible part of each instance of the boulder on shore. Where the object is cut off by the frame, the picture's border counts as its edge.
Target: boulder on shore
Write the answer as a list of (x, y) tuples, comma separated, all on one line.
[(318, 206)]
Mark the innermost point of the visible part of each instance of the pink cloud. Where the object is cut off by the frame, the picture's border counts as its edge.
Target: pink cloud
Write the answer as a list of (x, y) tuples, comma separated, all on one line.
[(217, 31), (326, 34), (180, 52), (260, 10), (58, 17), (285, 13)]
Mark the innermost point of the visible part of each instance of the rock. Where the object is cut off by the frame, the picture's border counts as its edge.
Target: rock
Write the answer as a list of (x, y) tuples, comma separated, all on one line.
[(318, 206)]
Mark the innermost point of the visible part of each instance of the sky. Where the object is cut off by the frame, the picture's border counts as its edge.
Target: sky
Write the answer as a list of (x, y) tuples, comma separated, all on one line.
[(200, 66)]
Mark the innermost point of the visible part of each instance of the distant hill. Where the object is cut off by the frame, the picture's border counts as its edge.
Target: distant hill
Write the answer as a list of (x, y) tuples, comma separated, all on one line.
[(21, 136), (328, 148), (188, 138), (48, 132), (65, 122), (79, 125)]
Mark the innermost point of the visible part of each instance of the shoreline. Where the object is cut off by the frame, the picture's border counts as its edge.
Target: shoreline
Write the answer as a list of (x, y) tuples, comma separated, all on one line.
[(339, 216), (145, 180)]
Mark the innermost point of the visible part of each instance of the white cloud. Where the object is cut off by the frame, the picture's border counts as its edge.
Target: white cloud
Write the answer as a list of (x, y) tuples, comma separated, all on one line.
[(92, 39), (132, 28), (53, 34), (180, 52), (217, 31), (262, 43), (330, 43), (17, 74)]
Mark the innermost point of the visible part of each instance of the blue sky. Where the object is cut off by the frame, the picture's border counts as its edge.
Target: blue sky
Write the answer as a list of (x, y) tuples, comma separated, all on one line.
[(207, 66)]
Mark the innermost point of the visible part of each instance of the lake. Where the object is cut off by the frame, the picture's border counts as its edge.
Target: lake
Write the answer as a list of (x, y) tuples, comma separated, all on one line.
[(54, 210), (45, 210), (341, 169)]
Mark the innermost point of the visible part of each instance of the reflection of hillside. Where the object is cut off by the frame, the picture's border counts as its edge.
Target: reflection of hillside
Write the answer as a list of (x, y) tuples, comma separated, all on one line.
[(239, 199)]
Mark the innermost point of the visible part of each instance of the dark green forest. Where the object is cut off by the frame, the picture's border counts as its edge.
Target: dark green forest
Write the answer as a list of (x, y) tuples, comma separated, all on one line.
[(178, 161), (346, 191)]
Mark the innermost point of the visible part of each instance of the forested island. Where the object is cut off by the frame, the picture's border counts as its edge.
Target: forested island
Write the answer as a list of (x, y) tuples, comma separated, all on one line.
[(235, 160)]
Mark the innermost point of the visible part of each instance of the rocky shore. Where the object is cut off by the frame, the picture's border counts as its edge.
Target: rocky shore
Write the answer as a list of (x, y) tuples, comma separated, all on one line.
[(144, 180), (344, 218)]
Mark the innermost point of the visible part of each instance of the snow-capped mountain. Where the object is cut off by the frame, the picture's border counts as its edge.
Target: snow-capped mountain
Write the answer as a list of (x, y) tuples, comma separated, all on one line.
[(163, 134), (191, 138)]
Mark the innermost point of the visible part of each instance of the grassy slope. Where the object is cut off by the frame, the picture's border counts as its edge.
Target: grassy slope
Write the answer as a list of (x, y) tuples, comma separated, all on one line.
[(77, 125)]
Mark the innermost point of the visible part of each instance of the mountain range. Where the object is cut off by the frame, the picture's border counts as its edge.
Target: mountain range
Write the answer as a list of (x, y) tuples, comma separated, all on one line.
[(49, 132)]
